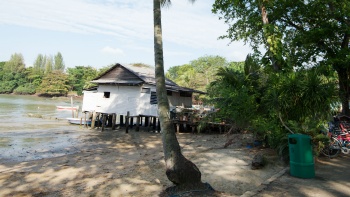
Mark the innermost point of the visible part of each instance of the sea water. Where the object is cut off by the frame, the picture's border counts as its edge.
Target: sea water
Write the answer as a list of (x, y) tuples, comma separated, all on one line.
[(32, 128)]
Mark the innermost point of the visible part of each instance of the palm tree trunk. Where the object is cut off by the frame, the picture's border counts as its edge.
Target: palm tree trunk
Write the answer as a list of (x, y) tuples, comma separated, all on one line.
[(179, 170)]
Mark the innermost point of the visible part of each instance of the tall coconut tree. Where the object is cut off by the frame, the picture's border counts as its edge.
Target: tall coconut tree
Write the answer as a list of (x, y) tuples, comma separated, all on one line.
[(179, 170)]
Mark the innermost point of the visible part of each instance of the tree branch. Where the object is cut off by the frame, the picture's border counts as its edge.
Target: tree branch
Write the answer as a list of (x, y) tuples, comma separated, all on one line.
[(279, 115)]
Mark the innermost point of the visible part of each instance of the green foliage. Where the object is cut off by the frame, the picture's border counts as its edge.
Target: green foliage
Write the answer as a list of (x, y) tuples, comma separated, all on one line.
[(59, 64), (234, 95), (45, 77), (80, 77), (26, 89), (54, 84), (184, 75), (2, 64), (12, 73), (199, 73), (49, 64), (295, 34), (15, 64), (300, 95), (104, 69), (39, 65), (272, 104), (7, 87)]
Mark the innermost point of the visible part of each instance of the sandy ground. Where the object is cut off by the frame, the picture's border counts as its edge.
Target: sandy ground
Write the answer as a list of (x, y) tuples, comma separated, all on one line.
[(331, 180), (113, 163)]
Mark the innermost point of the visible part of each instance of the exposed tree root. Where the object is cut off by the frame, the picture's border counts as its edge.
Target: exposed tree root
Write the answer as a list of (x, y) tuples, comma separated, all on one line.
[(186, 190)]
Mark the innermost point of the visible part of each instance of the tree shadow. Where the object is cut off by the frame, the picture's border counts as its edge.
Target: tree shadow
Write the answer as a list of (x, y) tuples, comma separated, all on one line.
[(113, 163)]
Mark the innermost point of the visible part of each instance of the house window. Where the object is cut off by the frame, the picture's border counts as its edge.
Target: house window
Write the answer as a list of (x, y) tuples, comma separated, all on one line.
[(154, 98), (186, 94), (106, 94), (169, 93), (146, 90)]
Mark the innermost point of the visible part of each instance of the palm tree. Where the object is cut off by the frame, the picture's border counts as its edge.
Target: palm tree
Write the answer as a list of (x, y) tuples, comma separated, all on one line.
[(179, 170)]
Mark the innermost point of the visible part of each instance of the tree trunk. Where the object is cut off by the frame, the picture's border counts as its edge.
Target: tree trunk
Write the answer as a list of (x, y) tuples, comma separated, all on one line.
[(343, 76), (179, 170), (268, 34)]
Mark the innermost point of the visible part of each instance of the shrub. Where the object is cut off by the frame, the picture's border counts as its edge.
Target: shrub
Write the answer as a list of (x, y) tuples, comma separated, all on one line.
[(26, 89)]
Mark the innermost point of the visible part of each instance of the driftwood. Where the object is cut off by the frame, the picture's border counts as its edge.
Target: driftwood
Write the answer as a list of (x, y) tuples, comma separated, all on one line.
[(229, 140), (258, 161)]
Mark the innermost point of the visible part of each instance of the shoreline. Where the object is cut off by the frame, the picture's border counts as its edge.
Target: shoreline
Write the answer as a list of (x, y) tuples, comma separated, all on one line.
[(37, 95), (113, 163)]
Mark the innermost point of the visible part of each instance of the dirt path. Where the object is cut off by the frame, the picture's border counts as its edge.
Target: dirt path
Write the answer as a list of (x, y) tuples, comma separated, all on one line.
[(113, 163), (332, 178)]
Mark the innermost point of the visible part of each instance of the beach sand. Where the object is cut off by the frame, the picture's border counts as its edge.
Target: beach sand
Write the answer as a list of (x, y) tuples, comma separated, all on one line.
[(115, 163)]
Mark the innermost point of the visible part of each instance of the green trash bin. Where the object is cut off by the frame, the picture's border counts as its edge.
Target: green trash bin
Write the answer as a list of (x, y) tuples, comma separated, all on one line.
[(301, 158)]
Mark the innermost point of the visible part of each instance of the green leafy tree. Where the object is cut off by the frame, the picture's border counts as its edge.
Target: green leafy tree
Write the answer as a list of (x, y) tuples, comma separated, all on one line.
[(15, 64), (184, 75), (59, 63), (274, 104), (49, 64), (36, 74), (25, 89), (7, 87), (54, 84), (39, 65), (2, 72), (12, 73), (179, 170), (295, 34), (80, 77), (2, 64), (207, 67), (199, 73)]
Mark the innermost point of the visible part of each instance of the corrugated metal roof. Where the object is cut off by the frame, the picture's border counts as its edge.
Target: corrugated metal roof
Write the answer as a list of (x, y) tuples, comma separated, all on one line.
[(146, 73)]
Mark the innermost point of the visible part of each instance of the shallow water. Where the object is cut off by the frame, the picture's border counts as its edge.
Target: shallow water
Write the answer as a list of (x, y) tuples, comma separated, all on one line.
[(24, 136)]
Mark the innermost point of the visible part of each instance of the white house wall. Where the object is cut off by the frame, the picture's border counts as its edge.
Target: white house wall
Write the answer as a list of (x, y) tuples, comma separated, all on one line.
[(90, 100), (127, 98), (121, 100)]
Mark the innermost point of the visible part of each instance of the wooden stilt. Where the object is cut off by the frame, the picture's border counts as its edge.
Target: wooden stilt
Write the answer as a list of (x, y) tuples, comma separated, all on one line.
[(121, 120), (71, 103), (138, 123), (114, 118), (85, 124), (154, 123), (158, 126), (104, 117), (146, 121), (127, 122), (109, 120), (149, 123), (131, 122), (94, 114), (98, 119)]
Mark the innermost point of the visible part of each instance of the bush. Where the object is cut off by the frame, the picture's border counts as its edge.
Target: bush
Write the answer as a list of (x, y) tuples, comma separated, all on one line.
[(7, 87), (26, 89)]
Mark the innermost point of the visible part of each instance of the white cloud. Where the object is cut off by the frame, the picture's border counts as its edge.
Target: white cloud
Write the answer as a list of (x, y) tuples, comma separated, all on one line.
[(78, 16), (114, 51), (189, 30)]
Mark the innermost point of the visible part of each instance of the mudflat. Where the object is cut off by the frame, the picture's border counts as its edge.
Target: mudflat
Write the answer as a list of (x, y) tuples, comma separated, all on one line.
[(114, 163)]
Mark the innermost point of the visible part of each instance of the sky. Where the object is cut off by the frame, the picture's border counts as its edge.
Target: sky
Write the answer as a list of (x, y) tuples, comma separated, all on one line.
[(99, 33)]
